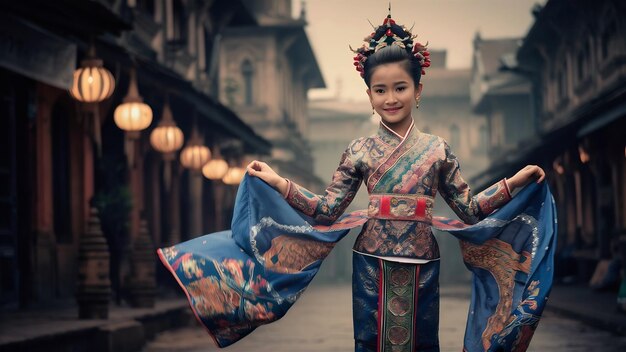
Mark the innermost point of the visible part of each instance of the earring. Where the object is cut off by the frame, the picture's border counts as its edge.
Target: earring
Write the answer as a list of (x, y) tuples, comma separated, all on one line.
[(373, 110), (417, 103)]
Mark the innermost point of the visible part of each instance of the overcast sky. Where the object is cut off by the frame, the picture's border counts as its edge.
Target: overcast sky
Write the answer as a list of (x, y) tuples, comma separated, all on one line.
[(445, 24)]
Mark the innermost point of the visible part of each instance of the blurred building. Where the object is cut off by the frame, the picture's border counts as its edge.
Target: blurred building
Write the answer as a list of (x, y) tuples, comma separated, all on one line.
[(574, 56), (502, 96), (265, 74), (83, 204), (445, 111)]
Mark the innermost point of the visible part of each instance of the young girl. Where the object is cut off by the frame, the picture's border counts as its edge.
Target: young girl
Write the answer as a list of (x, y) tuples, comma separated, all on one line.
[(396, 258), (240, 279)]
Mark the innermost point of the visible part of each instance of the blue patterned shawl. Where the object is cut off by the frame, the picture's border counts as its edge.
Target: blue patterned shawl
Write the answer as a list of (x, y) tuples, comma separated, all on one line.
[(240, 279)]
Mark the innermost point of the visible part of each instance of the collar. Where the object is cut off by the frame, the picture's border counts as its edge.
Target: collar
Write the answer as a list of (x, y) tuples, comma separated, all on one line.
[(392, 138)]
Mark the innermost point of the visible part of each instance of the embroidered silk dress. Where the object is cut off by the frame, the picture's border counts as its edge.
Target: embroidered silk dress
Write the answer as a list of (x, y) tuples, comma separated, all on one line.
[(238, 280), (396, 255)]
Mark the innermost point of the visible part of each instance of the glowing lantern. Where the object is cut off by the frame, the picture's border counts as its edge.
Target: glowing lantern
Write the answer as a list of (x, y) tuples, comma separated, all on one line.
[(215, 169), (234, 175), (92, 82), (167, 137), (195, 155), (133, 115)]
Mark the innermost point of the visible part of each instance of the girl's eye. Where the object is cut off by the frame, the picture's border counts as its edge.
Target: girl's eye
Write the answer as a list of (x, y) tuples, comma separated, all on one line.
[(380, 91), (400, 89)]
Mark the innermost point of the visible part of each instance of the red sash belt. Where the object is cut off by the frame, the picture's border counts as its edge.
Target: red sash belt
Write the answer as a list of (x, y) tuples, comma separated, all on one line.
[(411, 207)]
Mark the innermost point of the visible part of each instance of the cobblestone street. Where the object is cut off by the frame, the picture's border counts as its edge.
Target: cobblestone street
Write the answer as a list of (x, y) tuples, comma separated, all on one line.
[(322, 321)]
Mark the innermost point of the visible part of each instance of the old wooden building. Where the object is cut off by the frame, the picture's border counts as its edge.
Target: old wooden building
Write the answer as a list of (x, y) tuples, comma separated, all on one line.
[(84, 203)]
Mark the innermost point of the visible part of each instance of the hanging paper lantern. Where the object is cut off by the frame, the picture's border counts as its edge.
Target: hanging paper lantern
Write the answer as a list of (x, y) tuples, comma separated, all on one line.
[(215, 169), (195, 155), (167, 137), (558, 166), (133, 115), (234, 175), (92, 82)]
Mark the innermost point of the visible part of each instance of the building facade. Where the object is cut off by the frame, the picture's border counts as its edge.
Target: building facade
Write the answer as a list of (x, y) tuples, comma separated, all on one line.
[(75, 186), (576, 63), (445, 111), (265, 74), (501, 95)]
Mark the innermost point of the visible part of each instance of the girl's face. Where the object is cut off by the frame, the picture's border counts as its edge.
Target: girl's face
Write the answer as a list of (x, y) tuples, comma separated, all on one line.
[(393, 94)]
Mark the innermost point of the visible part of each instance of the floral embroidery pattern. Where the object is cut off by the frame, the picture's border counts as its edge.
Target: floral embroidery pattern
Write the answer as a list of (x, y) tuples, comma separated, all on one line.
[(499, 258), (289, 254), (224, 292), (213, 297)]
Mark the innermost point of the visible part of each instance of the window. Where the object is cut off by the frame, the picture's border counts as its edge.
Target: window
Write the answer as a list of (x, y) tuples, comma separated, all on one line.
[(247, 70)]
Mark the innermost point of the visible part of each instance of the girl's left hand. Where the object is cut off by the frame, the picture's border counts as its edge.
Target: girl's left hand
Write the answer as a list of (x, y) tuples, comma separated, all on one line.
[(525, 175)]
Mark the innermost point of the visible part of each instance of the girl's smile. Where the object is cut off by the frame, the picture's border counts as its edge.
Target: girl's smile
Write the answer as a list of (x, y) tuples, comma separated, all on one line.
[(393, 94), (392, 110)]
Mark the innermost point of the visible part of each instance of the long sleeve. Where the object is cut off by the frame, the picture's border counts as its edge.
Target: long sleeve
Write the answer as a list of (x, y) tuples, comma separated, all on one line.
[(457, 193), (338, 195)]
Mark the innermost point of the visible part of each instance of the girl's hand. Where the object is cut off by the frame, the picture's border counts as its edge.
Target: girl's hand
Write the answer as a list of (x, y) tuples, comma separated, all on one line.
[(263, 171), (525, 175)]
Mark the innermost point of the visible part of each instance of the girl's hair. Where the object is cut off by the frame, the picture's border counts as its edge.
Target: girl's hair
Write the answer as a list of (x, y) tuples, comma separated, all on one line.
[(392, 54)]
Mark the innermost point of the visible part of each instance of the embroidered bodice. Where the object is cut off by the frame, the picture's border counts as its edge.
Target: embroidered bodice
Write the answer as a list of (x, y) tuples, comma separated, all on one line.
[(414, 167)]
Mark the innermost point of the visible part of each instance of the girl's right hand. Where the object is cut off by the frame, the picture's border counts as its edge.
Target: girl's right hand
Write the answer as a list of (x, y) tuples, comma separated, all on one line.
[(263, 171)]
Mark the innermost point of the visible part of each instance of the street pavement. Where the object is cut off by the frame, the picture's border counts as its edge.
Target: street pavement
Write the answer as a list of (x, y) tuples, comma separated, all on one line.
[(322, 321)]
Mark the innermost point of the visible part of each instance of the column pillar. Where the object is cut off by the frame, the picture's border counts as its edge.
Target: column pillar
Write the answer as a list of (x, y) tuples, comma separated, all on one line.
[(45, 251), (173, 231), (143, 265), (195, 204)]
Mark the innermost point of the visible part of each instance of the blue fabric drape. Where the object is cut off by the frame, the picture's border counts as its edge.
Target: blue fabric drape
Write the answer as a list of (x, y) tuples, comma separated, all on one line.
[(238, 280)]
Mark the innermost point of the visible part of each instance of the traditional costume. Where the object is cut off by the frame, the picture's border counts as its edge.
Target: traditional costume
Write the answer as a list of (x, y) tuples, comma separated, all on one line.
[(240, 279)]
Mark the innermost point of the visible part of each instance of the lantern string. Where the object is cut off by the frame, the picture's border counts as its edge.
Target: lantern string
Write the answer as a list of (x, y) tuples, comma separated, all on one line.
[(91, 52)]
